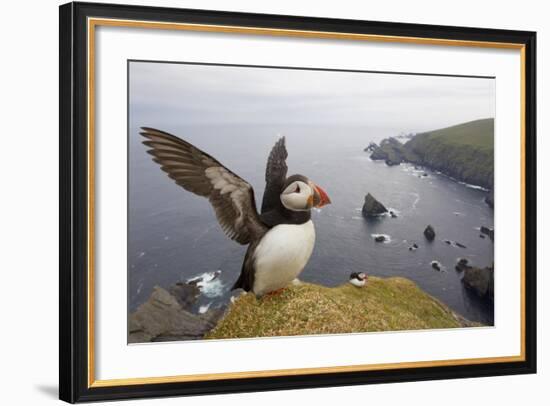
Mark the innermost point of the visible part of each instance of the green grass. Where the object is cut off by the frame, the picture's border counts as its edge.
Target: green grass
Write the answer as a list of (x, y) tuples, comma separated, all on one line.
[(464, 151), (478, 134), (383, 305)]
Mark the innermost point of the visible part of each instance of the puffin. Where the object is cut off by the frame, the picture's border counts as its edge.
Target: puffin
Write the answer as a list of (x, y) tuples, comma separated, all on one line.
[(358, 279), (280, 237)]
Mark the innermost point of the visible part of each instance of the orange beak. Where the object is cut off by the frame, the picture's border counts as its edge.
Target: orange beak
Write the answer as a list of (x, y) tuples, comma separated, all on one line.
[(320, 197)]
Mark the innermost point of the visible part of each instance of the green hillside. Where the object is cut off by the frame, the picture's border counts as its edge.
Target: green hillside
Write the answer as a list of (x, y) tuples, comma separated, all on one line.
[(464, 151)]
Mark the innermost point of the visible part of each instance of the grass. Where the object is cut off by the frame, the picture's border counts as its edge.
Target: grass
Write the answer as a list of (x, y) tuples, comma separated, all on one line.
[(464, 151), (383, 305), (478, 134)]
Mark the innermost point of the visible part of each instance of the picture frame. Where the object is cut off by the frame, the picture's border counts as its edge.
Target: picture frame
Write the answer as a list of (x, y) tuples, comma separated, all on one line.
[(79, 22)]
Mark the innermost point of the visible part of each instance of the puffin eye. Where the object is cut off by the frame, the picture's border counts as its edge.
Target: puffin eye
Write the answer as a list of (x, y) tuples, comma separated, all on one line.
[(297, 188)]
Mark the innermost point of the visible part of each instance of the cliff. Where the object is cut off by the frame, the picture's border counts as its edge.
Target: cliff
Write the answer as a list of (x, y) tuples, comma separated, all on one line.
[(464, 152), (383, 305)]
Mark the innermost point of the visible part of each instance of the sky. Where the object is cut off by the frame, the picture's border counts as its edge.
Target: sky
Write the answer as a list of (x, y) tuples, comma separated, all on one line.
[(177, 94)]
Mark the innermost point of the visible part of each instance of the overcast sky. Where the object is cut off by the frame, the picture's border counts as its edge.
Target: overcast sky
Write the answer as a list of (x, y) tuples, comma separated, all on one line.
[(179, 94)]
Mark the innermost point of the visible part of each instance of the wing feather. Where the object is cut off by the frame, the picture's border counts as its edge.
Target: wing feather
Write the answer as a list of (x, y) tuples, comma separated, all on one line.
[(275, 175), (231, 197)]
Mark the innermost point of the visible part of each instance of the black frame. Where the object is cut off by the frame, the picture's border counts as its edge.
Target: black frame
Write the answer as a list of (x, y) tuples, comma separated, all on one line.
[(73, 289)]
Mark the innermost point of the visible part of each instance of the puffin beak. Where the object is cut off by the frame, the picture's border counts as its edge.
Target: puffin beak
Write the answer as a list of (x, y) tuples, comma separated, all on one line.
[(320, 197)]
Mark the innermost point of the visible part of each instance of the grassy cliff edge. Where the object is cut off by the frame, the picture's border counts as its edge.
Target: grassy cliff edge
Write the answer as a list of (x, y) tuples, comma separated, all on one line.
[(464, 151), (383, 305)]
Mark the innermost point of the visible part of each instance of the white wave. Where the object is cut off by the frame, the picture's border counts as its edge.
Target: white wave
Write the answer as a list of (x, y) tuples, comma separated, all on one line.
[(414, 169), (356, 218), (386, 236), (471, 186), (141, 254), (416, 199), (387, 214), (209, 283), (204, 309)]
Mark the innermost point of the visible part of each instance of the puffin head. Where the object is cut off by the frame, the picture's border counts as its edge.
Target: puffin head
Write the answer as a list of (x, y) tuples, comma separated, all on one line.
[(301, 194), (360, 276)]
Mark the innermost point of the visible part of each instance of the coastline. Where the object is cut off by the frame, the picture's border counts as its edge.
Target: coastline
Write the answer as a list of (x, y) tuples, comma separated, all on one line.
[(463, 153)]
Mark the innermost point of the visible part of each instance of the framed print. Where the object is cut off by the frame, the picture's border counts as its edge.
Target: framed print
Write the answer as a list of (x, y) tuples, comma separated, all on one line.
[(257, 202)]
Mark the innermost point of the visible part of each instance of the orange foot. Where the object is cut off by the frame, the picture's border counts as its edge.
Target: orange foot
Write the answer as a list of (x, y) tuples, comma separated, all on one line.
[(275, 292)]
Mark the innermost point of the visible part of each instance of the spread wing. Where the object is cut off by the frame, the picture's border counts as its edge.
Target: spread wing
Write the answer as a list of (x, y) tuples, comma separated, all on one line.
[(275, 175), (231, 197)]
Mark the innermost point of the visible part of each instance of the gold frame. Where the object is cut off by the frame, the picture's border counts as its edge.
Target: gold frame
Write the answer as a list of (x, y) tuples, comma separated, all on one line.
[(94, 22)]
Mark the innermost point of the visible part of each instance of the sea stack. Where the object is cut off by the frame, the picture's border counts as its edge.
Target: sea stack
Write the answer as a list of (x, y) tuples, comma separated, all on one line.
[(480, 280), (429, 233), (373, 207), (490, 232)]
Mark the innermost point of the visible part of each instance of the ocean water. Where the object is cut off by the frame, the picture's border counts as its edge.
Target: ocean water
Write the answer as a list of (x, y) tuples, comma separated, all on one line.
[(173, 234)]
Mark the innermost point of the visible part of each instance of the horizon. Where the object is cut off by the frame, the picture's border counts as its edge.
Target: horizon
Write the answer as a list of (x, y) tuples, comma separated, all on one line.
[(176, 94)]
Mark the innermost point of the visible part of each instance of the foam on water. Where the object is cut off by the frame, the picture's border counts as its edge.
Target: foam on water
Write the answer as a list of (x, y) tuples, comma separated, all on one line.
[(471, 186), (204, 309), (209, 283)]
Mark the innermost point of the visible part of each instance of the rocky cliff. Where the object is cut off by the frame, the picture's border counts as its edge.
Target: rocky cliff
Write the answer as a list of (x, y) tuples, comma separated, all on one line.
[(464, 152)]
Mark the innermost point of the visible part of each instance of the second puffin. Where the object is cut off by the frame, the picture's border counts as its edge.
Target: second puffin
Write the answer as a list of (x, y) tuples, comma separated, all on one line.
[(280, 239)]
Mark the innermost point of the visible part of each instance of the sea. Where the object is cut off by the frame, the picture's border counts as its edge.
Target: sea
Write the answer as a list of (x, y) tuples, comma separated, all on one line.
[(174, 235)]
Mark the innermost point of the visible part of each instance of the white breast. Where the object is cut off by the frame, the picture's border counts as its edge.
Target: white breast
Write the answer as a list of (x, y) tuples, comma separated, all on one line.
[(282, 255), (357, 282)]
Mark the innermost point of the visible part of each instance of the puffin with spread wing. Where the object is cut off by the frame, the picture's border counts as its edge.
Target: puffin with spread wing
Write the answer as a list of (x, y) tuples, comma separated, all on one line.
[(280, 240)]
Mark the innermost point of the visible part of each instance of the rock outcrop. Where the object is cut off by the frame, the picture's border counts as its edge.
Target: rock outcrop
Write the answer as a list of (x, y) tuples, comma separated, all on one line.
[(373, 207), (390, 151), (167, 316), (480, 280), (436, 265), (377, 153), (429, 233), (490, 232)]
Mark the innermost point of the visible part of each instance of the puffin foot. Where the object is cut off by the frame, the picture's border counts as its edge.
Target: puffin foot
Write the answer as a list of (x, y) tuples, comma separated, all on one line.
[(275, 292)]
